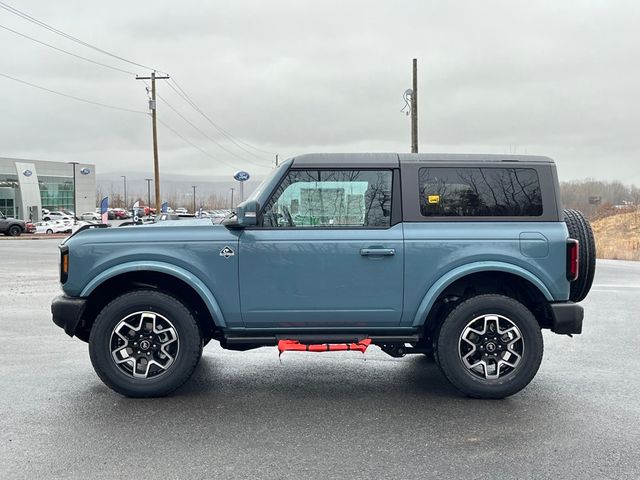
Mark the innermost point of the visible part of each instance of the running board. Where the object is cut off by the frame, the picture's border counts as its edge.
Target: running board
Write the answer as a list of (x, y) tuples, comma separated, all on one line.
[(314, 339)]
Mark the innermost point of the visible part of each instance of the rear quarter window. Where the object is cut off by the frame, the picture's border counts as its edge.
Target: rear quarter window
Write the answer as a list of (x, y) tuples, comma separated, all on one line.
[(479, 192)]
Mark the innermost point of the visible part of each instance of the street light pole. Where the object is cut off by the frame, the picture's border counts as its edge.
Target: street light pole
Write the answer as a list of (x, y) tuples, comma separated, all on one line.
[(75, 208), (194, 198), (231, 206), (149, 195), (126, 202)]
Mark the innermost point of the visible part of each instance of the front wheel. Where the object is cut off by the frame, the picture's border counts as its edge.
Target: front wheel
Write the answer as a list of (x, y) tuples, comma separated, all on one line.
[(145, 344), (15, 231), (490, 346)]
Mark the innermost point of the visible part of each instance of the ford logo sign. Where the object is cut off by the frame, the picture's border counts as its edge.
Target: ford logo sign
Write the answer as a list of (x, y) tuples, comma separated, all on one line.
[(85, 171), (241, 176), (27, 173)]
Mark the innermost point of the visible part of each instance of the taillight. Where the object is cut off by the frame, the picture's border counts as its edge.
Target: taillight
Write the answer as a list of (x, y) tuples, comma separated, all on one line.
[(573, 251)]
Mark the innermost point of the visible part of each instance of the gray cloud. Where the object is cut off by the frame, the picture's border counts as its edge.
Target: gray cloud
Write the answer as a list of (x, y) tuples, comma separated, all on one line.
[(553, 78)]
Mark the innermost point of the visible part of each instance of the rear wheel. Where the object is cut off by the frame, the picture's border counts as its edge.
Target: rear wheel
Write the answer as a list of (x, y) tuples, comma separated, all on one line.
[(49, 231), (145, 344), (490, 346), (580, 229)]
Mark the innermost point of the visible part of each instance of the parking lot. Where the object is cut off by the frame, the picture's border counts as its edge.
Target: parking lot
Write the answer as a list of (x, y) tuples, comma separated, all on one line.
[(330, 415)]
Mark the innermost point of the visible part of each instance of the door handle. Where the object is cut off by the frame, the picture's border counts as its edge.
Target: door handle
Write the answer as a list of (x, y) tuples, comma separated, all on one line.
[(383, 252)]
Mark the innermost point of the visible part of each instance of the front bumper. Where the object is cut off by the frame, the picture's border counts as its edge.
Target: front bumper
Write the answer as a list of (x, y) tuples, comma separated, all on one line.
[(567, 318), (67, 312)]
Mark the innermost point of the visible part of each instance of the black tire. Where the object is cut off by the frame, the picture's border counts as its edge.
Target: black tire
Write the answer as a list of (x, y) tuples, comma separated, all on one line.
[(49, 231), (15, 230), (580, 229), (188, 344), (473, 383)]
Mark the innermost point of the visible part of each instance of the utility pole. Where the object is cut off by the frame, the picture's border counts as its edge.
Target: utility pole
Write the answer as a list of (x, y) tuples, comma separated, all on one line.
[(149, 194), (75, 209), (414, 108), (231, 207), (126, 202), (152, 107), (194, 198)]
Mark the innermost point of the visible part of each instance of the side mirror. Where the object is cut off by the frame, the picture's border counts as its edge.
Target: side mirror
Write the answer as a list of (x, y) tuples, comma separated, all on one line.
[(246, 215)]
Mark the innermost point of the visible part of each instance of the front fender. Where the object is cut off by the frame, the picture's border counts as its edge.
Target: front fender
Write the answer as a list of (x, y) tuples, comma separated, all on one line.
[(447, 279), (189, 278)]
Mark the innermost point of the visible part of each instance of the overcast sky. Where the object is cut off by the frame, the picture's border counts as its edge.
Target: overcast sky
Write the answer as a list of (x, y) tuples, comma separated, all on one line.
[(556, 78)]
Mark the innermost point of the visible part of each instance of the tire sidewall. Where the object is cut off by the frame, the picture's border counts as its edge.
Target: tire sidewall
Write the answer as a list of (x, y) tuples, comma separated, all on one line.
[(165, 305), (449, 338), (15, 231)]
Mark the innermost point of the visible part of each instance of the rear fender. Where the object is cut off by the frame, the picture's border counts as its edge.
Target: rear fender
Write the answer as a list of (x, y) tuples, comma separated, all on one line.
[(447, 279)]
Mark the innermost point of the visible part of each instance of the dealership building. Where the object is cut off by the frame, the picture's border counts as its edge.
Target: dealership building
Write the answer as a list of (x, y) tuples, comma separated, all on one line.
[(28, 186)]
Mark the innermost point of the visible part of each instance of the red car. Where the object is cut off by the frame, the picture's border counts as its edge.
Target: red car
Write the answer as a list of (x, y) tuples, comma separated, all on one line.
[(29, 227)]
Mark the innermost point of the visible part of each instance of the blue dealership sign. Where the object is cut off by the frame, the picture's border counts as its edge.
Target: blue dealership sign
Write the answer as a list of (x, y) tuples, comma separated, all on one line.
[(242, 176)]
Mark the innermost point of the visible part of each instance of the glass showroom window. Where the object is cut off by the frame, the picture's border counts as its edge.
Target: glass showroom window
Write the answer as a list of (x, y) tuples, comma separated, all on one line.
[(56, 193)]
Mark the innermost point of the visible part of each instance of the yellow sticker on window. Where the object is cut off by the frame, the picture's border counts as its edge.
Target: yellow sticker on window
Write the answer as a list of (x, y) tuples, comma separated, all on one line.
[(434, 198)]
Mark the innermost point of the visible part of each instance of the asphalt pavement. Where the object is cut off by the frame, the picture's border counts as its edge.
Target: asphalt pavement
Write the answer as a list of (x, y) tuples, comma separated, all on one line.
[(330, 415)]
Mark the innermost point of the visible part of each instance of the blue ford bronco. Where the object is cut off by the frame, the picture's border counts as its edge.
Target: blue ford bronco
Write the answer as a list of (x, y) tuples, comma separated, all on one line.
[(462, 258)]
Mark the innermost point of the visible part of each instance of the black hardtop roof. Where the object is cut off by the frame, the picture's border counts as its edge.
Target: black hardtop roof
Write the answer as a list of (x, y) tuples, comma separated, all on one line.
[(394, 159)]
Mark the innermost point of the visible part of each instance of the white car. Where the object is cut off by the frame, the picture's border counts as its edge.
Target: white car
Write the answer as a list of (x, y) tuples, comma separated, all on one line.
[(181, 211), (51, 227), (90, 216), (56, 216)]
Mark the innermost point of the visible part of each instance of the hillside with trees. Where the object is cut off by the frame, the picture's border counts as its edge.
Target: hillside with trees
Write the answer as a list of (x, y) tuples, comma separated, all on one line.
[(614, 211)]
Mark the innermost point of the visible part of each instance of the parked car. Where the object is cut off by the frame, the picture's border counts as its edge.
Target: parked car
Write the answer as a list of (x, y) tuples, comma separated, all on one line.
[(51, 227), (30, 227), (120, 214), (463, 259), (11, 226), (90, 216), (182, 211), (53, 215)]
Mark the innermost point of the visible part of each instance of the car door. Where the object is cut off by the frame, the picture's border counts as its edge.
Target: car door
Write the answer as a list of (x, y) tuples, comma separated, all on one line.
[(328, 252)]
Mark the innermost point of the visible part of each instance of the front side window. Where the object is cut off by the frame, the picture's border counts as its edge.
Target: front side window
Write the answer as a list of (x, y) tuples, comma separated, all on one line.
[(331, 198), (479, 192)]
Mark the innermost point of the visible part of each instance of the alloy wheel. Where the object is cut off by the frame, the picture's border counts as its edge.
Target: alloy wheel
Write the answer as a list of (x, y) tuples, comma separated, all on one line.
[(144, 344), (491, 346)]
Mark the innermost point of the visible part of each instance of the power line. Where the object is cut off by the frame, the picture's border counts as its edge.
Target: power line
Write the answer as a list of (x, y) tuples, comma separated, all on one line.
[(211, 139), (73, 97), (46, 26), (66, 52), (180, 91), (186, 140)]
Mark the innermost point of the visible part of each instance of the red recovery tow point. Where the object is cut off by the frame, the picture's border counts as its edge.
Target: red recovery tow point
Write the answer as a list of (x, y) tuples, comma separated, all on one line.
[(296, 346)]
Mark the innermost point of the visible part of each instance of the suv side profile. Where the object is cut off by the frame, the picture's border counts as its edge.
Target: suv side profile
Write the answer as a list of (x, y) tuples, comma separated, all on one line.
[(463, 258), (11, 226)]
